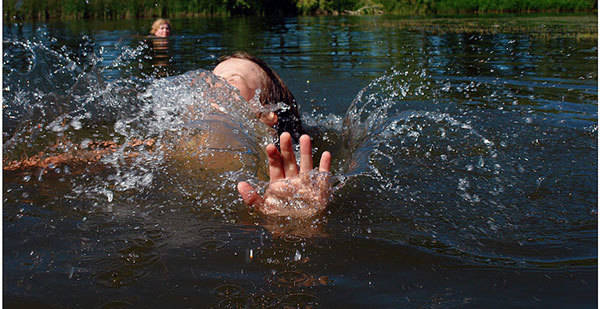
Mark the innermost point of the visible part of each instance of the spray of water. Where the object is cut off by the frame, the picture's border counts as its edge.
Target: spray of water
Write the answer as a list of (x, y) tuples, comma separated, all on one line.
[(441, 174), (192, 136)]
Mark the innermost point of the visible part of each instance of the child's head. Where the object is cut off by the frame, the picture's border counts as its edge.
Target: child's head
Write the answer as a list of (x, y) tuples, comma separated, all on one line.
[(248, 74), (161, 28)]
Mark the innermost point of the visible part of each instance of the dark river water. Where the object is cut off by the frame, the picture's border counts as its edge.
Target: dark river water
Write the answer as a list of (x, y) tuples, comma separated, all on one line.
[(465, 157)]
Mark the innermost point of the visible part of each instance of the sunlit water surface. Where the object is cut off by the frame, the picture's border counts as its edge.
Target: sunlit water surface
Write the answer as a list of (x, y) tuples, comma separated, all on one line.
[(465, 165)]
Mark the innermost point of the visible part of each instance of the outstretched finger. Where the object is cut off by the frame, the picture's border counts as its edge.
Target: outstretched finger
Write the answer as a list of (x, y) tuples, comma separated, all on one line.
[(276, 171), (306, 161), (287, 153), (249, 195), (325, 163)]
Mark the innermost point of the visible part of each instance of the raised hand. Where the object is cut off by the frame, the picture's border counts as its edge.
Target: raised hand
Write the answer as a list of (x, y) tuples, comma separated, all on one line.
[(293, 191)]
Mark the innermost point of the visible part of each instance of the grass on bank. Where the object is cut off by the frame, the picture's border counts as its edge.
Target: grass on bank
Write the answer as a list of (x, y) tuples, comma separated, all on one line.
[(117, 9)]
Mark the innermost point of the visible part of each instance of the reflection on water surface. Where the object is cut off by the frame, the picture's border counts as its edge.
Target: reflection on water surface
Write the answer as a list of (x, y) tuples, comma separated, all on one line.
[(465, 153)]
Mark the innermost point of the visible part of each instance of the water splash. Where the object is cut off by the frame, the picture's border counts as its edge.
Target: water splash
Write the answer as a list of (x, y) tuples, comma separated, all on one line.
[(451, 173), (192, 134)]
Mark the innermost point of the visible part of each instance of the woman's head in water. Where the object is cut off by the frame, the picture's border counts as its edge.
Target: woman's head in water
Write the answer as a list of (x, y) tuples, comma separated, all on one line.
[(249, 74), (161, 28)]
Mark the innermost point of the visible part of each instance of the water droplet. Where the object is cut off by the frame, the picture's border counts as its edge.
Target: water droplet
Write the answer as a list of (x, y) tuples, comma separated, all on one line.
[(76, 124), (109, 195)]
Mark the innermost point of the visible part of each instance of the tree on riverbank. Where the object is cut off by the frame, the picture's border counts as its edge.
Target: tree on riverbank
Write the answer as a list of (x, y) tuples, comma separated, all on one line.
[(112, 9)]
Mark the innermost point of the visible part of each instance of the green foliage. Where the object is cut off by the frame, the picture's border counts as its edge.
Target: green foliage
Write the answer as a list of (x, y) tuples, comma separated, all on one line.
[(450, 7), (112, 9), (307, 6)]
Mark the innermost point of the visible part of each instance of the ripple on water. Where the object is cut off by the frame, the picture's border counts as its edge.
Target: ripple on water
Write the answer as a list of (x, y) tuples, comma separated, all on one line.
[(229, 290), (299, 300), (130, 264), (265, 300), (120, 277), (212, 245), (292, 279), (291, 238), (117, 304), (234, 302)]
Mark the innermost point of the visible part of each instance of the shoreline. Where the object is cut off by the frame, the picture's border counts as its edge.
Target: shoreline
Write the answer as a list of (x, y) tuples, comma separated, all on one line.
[(361, 12)]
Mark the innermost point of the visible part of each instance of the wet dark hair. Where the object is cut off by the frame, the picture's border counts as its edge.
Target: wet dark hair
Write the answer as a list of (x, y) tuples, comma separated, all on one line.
[(288, 119)]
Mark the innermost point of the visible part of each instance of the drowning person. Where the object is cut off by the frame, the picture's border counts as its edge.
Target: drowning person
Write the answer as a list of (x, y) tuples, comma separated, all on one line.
[(293, 191)]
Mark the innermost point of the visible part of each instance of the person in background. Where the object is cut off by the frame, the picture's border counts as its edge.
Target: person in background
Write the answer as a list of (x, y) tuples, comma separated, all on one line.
[(161, 28), (159, 37)]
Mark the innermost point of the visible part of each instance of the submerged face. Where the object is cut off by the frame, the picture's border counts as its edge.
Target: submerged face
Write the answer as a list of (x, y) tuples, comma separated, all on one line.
[(163, 31), (247, 77), (242, 74)]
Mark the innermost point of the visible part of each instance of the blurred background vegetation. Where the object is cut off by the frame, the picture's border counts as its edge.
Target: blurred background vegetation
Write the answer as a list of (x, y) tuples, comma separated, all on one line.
[(113, 9)]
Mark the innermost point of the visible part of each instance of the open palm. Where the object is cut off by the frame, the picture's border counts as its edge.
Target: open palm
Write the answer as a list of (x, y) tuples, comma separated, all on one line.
[(293, 191)]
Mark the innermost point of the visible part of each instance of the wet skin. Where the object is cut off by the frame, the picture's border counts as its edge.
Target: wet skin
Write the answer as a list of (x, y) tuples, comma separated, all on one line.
[(293, 191), (247, 77), (163, 31)]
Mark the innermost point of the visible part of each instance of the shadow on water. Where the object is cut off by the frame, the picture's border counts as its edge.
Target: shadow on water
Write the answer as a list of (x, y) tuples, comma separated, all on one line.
[(469, 156)]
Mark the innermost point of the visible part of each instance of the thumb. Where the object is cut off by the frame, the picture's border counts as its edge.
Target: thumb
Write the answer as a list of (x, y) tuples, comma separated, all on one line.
[(249, 195)]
